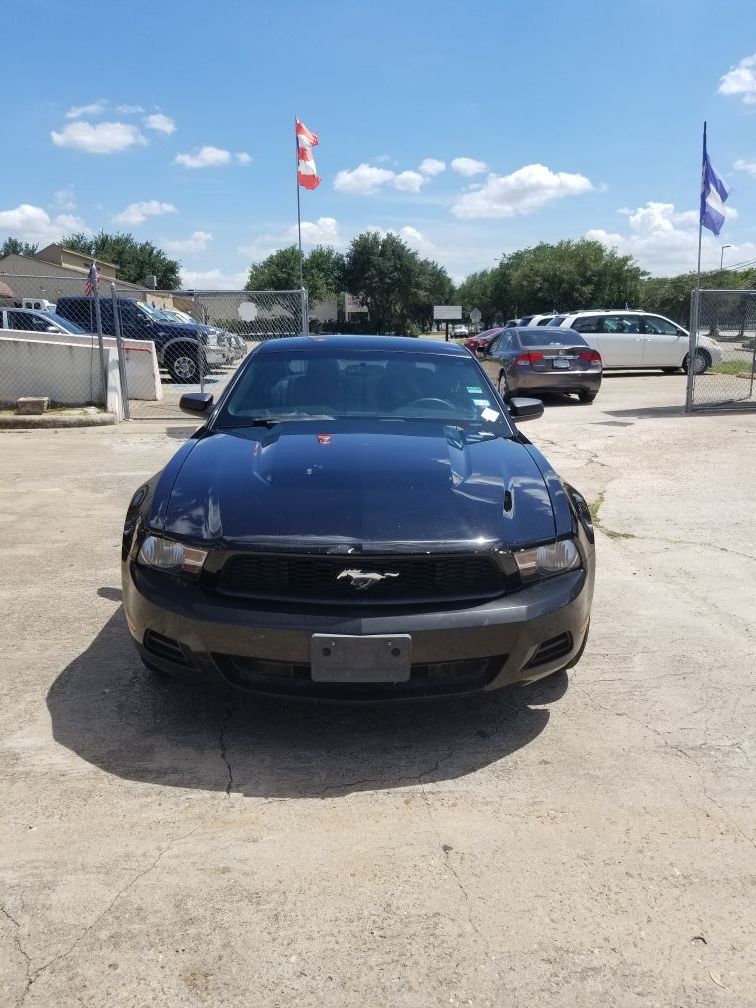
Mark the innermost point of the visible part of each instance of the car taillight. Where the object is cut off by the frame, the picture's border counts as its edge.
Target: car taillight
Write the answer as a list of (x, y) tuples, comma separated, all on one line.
[(590, 355), (529, 358)]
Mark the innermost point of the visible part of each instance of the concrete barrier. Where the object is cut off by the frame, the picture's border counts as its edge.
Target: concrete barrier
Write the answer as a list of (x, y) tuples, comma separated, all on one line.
[(142, 372), (68, 373)]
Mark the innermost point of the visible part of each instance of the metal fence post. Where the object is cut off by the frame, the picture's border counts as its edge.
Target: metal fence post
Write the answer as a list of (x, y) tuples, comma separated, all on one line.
[(100, 342), (692, 344), (305, 312), (200, 354), (121, 353)]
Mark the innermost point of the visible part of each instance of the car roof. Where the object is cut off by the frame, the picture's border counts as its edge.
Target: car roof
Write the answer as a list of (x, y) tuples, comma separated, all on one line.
[(340, 341), (608, 311)]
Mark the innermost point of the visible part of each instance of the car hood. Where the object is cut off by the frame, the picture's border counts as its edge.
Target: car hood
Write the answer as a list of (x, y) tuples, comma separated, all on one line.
[(369, 485)]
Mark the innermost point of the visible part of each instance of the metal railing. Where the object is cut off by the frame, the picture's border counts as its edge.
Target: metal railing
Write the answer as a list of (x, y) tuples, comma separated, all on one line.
[(722, 354)]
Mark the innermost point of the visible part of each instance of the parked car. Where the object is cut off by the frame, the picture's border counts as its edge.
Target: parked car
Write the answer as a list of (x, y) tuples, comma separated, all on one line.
[(31, 320), (541, 320), (482, 339), (460, 330), (530, 360), (640, 339), (358, 517), (175, 342)]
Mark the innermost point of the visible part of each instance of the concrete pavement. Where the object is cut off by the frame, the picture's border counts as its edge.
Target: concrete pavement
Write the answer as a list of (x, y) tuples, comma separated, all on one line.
[(585, 842)]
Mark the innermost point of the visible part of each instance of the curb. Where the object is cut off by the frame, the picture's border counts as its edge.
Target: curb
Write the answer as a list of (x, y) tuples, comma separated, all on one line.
[(46, 421)]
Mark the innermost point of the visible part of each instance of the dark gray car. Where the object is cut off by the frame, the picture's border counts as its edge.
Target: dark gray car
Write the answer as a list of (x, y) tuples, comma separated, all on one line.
[(542, 359)]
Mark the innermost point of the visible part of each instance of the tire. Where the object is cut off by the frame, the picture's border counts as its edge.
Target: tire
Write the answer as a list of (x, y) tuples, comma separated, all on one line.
[(701, 362), (587, 395), (504, 389), (182, 365)]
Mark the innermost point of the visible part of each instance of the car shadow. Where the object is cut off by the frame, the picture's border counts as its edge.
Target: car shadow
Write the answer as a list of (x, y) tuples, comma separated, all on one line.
[(114, 714)]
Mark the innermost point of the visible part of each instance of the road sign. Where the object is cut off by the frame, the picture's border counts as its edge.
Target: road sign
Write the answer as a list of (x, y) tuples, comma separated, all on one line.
[(443, 313), (475, 316)]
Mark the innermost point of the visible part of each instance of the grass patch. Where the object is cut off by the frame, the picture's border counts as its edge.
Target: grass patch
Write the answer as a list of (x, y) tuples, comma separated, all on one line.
[(732, 367)]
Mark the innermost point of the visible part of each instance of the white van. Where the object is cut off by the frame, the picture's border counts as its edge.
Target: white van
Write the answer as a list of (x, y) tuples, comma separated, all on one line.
[(640, 339)]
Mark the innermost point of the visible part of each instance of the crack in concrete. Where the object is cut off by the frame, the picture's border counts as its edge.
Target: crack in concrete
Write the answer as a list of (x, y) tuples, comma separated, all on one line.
[(223, 749), (22, 951), (34, 975)]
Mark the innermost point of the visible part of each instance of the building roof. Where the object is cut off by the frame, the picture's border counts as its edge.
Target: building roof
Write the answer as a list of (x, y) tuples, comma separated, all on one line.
[(85, 257)]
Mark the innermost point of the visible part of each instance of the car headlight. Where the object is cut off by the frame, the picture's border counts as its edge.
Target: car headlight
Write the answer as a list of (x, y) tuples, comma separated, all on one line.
[(546, 561), (170, 556)]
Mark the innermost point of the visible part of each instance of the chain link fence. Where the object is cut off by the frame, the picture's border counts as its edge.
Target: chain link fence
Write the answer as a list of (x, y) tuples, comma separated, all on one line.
[(722, 350), (129, 350)]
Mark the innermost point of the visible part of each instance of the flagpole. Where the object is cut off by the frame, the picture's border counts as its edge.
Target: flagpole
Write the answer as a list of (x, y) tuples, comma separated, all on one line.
[(299, 213), (693, 340)]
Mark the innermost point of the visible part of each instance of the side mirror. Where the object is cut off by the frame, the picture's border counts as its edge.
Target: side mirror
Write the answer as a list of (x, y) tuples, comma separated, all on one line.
[(197, 402), (525, 409)]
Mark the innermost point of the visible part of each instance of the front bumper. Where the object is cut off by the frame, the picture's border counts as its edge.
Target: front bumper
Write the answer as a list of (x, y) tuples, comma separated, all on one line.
[(517, 638)]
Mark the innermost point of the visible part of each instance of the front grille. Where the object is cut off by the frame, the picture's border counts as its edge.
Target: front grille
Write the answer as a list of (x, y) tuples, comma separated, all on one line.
[(293, 679), (550, 650), (315, 579)]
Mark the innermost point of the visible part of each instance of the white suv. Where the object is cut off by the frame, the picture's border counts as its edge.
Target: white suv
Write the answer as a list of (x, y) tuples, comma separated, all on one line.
[(639, 339)]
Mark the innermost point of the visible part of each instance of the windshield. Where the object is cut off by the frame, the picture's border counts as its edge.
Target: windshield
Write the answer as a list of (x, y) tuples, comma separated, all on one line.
[(64, 322), (155, 314), (350, 383)]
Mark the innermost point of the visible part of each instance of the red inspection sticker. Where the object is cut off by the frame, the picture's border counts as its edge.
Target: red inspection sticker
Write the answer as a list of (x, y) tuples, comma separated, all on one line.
[(324, 438)]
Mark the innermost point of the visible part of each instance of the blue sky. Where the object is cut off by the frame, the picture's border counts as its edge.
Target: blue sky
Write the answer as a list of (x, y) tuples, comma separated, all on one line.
[(552, 119)]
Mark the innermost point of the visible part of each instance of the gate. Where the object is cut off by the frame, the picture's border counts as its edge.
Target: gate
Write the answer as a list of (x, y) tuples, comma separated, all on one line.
[(200, 339), (721, 375)]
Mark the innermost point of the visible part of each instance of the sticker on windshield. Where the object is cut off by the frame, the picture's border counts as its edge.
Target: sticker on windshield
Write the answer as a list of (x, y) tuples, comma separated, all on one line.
[(324, 439), (482, 402), (472, 389), (489, 414)]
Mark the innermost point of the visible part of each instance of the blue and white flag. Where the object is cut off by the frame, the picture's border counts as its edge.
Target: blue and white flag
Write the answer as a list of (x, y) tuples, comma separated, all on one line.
[(713, 195)]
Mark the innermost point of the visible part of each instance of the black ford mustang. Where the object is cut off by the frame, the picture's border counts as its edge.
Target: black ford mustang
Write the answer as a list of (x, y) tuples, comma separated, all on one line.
[(358, 517)]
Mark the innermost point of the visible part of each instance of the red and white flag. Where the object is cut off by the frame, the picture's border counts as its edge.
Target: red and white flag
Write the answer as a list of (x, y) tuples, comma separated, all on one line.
[(307, 173)]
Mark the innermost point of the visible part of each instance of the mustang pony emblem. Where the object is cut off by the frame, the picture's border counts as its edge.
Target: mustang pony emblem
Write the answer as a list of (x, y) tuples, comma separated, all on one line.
[(362, 580)]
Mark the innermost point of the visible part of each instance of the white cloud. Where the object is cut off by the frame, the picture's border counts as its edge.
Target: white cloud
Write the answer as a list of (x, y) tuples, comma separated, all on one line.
[(323, 231), (205, 157), (665, 240), (213, 279), (431, 166), (196, 242), (468, 166), (160, 123), (746, 166), (740, 80), (64, 199), (364, 180), (137, 213), (34, 224), (525, 190), (243, 158), (416, 239), (98, 138), (129, 109), (94, 109), (409, 181)]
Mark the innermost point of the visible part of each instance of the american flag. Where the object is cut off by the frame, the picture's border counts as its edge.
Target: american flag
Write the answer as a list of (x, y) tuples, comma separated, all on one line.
[(307, 173), (93, 278)]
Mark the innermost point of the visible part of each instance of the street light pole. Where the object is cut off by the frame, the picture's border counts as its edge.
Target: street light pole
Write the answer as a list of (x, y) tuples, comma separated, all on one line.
[(721, 256)]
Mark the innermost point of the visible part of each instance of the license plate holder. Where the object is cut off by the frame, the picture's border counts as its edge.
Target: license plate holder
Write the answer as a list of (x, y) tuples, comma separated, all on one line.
[(561, 362), (379, 658)]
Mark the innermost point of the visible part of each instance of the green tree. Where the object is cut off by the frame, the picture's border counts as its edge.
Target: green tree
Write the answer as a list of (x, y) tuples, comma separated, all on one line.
[(322, 272), (395, 285), (137, 262), (14, 246)]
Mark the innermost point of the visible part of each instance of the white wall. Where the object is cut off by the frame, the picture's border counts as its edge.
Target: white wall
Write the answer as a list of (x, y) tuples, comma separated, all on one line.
[(142, 372), (69, 373)]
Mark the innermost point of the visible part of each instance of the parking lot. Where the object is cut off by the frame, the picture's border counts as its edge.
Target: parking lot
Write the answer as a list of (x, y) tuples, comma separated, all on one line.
[(587, 841)]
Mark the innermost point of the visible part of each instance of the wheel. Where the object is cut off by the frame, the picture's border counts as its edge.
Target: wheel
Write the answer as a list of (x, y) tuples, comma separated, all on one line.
[(701, 362), (587, 395), (182, 365), (504, 389)]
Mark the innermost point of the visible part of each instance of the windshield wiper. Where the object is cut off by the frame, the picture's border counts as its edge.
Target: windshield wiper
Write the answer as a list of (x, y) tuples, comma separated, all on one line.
[(253, 422)]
